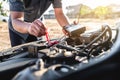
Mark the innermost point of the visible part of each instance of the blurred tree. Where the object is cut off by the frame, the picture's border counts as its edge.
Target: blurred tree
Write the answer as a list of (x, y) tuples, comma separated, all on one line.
[(2, 12), (83, 11), (102, 12), (79, 10)]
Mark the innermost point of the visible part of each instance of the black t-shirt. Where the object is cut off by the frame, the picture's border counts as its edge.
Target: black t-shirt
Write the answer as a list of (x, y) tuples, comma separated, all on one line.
[(32, 9)]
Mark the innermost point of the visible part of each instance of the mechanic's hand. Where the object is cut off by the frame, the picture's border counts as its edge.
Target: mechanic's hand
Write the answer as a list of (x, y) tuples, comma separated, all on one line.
[(65, 32), (37, 28), (75, 22)]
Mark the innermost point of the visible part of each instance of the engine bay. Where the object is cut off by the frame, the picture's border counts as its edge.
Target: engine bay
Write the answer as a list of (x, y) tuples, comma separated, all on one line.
[(59, 58)]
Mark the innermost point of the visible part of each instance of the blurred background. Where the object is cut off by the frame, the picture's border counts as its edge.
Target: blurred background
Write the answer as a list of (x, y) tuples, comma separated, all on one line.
[(90, 13)]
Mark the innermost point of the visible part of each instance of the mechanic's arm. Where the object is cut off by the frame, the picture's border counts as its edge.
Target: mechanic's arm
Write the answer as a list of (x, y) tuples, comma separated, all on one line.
[(18, 24), (35, 28), (61, 18)]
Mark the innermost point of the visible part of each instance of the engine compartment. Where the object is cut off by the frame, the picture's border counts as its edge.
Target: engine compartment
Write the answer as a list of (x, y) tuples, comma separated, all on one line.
[(65, 56)]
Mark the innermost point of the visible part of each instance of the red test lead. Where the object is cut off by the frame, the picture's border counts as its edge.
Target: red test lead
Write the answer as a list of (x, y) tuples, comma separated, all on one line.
[(50, 43), (47, 37)]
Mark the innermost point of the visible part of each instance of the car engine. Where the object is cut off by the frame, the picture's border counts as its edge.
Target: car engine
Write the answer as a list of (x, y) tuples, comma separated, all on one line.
[(83, 55)]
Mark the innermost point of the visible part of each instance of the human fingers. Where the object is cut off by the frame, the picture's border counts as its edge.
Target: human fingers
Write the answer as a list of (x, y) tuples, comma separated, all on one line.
[(37, 34), (34, 30), (36, 27), (41, 24), (75, 22), (65, 32)]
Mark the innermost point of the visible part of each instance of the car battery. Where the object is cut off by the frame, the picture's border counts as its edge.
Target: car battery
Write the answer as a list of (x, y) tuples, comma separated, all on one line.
[(75, 30)]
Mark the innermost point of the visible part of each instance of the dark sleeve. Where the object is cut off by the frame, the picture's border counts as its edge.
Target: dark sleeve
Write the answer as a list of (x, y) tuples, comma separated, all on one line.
[(57, 3), (16, 5)]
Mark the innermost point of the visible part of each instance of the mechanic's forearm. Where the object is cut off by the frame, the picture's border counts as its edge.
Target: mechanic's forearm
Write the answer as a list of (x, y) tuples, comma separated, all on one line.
[(20, 25), (62, 20)]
